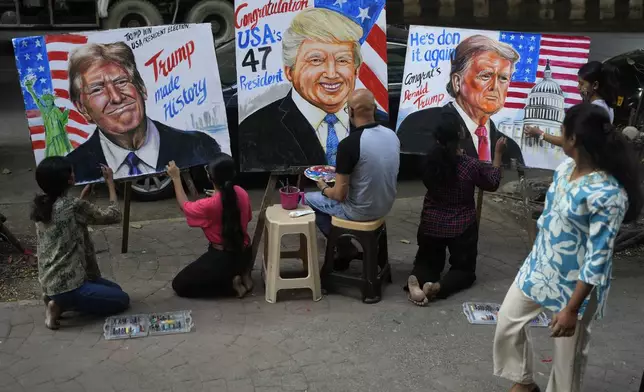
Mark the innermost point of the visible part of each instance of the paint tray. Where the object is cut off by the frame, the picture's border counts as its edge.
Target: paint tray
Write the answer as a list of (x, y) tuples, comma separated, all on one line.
[(170, 322), (126, 326), (485, 313)]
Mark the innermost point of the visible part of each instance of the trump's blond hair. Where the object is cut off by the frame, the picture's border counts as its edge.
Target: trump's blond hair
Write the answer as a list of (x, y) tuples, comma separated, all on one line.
[(322, 25)]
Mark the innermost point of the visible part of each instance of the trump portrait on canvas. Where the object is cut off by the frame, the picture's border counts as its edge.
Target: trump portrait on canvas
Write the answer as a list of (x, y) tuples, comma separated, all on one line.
[(321, 57), (108, 91), (481, 71)]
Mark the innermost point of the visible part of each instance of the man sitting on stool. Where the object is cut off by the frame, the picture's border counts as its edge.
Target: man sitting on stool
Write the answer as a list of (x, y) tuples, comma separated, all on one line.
[(367, 169)]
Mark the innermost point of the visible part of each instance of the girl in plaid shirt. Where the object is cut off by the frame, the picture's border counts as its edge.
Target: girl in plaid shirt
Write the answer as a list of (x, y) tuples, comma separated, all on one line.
[(448, 219)]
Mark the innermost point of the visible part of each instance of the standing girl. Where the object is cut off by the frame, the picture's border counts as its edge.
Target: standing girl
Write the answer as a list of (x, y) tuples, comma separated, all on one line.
[(597, 83), (225, 267), (569, 268), (67, 267)]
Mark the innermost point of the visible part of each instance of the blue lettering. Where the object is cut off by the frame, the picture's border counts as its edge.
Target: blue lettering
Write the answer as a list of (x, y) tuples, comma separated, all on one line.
[(165, 90), (241, 42), (256, 40), (262, 80), (268, 35), (198, 91), (253, 37), (413, 39), (446, 38)]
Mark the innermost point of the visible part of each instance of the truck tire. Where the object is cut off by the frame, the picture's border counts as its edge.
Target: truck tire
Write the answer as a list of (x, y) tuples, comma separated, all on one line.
[(220, 15), (132, 13), (152, 188)]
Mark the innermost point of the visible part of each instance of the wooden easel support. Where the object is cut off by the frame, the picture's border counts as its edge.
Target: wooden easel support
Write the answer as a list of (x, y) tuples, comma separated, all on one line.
[(190, 184), (261, 218), (266, 200), (127, 196), (479, 205)]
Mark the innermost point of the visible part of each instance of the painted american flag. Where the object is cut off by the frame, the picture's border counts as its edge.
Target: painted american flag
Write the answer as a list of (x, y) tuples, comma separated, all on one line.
[(45, 59), (565, 53), (370, 14)]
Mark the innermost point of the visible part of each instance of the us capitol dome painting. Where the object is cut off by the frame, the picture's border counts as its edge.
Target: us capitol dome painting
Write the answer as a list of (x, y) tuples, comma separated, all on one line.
[(544, 109)]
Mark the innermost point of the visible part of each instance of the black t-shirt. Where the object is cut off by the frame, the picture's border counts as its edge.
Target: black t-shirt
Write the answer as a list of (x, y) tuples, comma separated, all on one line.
[(349, 151)]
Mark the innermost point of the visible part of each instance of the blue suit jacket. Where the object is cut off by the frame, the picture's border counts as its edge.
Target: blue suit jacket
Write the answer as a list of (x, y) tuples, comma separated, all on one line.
[(186, 148)]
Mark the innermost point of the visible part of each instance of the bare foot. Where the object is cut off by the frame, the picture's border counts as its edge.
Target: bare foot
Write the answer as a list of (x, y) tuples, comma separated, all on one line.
[(52, 314), (416, 295), (247, 281), (431, 290), (525, 388), (239, 287)]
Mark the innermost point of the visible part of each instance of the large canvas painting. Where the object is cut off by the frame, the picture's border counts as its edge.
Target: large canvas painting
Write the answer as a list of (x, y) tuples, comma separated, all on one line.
[(297, 63), (497, 82), (132, 99)]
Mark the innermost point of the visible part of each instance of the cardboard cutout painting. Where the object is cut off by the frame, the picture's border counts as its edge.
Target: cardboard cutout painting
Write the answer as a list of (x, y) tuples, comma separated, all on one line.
[(497, 83), (132, 99), (297, 63)]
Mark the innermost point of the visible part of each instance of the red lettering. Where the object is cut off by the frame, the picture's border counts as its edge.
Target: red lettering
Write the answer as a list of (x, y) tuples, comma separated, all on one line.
[(237, 23), (164, 67), (421, 102), (153, 61), (416, 94), (251, 18)]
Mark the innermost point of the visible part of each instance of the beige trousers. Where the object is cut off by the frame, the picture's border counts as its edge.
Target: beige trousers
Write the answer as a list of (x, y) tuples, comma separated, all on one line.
[(513, 358)]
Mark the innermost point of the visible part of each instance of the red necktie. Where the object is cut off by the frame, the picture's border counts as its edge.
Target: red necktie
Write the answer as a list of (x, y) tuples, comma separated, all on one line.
[(484, 144)]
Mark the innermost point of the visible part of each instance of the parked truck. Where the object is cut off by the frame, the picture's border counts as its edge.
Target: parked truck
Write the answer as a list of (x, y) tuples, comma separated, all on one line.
[(21, 17)]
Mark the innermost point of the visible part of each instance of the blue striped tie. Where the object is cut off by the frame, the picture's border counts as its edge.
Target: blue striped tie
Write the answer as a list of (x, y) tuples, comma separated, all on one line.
[(331, 139), (132, 162)]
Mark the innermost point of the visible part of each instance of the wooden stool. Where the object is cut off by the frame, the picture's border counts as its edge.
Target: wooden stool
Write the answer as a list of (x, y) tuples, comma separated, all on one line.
[(278, 223), (372, 236)]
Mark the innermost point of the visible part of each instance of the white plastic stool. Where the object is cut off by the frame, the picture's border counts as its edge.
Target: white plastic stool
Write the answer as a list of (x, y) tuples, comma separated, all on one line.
[(279, 223)]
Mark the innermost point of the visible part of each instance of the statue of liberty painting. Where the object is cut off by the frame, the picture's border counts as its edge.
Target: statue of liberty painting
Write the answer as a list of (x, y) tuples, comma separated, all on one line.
[(56, 139)]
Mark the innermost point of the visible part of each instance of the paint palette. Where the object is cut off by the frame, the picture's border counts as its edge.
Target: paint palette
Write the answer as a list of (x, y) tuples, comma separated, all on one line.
[(324, 173), (170, 322), (141, 325), (125, 327)]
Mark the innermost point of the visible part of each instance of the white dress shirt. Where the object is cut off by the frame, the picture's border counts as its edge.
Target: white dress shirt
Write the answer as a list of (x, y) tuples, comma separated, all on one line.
[(609, 110), (315, 116), (471, 126), (148, 153)]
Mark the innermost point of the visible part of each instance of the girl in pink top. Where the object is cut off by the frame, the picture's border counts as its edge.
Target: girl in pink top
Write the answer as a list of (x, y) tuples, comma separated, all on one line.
[(225, 267)]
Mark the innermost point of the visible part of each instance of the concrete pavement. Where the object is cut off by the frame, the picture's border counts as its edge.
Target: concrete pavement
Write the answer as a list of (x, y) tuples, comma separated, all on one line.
[(337, 344)]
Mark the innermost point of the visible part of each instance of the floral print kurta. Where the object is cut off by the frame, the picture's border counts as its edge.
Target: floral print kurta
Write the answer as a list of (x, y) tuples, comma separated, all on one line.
[(577, 232), (66, 256)]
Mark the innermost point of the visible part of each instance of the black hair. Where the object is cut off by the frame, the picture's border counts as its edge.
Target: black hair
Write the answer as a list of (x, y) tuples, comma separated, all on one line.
[(441, 160), (606, 77), (221, 171), (608, 150), (52, 175)]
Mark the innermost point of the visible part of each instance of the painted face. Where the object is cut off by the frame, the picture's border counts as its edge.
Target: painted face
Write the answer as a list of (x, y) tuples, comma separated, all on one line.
[(110, 100), (485, 84), (324, 73), (585, 89)]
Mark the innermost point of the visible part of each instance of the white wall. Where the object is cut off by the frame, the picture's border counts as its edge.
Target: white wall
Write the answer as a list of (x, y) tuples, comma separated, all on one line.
[(606, 45)]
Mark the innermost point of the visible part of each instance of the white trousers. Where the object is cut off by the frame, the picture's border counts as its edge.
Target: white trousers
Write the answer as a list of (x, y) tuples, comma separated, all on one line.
[(513, 357)]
